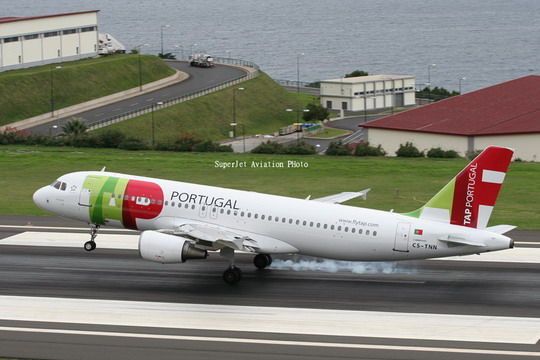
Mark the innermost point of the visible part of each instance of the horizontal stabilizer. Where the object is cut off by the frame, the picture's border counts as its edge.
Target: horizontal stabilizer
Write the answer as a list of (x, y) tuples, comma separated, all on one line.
[(342, 197), (460, 241), (501, 229)]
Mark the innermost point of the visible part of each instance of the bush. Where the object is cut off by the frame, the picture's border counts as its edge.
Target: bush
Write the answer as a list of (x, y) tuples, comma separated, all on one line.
[(301, 148), (364, 149), (471, 155), (440, 153), (269, 147), (338, 149), (109, 138), (409, 150), (133, 143), (87, 141)]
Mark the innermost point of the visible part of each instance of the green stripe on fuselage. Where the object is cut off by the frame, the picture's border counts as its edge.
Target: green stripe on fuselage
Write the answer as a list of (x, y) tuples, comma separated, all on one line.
[(104, 205)]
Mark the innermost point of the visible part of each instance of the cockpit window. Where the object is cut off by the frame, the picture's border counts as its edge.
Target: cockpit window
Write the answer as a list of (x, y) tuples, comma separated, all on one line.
[(63, 186), (56, 184), (59, 185)]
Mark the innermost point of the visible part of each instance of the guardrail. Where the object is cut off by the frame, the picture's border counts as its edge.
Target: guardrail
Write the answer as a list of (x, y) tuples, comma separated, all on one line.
[(178, 99)]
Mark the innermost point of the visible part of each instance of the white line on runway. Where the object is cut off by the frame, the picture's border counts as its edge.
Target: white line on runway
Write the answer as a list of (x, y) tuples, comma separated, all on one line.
[(99, 114), (117, 109), (415, 326), (32, 227), (134, 104), (274, 342), (150, 99)]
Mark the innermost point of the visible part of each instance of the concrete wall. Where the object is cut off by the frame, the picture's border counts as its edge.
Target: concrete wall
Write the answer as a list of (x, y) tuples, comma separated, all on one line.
[(391, 139), (527, 146), (44, 40)]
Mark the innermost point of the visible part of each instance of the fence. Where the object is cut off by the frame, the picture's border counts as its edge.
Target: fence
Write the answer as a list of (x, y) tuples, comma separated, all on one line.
[(178, 99)]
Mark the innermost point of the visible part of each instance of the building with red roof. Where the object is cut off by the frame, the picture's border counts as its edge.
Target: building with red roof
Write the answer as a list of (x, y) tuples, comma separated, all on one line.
[(39, 40), (507, 114)]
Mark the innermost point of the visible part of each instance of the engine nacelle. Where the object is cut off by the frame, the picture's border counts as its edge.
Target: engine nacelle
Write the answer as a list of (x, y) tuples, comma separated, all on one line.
[(167, 249)]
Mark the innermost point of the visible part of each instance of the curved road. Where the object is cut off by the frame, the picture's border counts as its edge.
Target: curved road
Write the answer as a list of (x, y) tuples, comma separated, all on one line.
[(200, 78), (498, 290)]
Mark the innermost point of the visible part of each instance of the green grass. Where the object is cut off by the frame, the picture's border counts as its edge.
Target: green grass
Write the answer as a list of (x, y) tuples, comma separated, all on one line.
[(329, 133), (27, 92), (261, 107), (25, 169)]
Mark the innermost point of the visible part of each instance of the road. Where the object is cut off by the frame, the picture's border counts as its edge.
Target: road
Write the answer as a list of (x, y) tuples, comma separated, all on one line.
[(67, 303), (200, 78)]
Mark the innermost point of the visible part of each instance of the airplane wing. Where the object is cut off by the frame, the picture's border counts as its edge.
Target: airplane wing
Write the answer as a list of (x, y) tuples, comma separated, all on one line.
[(342, 197), (217, 237)]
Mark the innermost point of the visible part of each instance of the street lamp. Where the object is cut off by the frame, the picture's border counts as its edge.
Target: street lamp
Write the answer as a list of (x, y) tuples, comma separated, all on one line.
[(298, 121), (429, 76), (234, 124), (52, 89), (153, 106), (181, 47), (162, 26), (298, 71), (234, 103), (52, 127), (463, 78), (138, 47), (365, 106)]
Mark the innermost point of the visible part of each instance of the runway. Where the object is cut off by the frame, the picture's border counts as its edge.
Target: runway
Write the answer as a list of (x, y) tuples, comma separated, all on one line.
[(62, 302)]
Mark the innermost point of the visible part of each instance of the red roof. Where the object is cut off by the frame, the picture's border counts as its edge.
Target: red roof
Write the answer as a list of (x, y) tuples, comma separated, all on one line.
[(12, 19), (512, 107)]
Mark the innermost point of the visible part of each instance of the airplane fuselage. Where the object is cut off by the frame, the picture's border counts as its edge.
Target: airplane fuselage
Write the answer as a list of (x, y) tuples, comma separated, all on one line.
[(279, 224)]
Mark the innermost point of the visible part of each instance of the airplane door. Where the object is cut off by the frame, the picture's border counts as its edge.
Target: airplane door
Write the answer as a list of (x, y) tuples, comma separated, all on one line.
[(401, 242), (213, 212), (84, 197)]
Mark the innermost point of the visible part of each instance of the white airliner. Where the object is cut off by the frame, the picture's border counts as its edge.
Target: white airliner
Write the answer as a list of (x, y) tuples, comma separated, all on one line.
[(181, 221)]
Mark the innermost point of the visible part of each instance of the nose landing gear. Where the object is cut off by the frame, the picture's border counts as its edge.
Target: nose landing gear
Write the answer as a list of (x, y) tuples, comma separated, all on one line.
[(91, 245)]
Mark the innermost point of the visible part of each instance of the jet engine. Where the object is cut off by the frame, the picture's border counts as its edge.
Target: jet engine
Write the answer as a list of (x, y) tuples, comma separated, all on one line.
[(167, 249)]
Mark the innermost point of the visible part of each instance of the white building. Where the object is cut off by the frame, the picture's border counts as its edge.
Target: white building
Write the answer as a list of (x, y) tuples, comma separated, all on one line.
[(368, 92), (39, 40)]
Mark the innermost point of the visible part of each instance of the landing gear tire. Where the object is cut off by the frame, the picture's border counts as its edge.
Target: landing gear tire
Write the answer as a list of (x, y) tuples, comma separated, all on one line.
[(89, 245), (262, 261), (232, 275)]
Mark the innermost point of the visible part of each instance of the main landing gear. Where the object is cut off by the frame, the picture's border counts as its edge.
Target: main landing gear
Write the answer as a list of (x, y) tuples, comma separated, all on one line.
[(233, 274), (91, 245)]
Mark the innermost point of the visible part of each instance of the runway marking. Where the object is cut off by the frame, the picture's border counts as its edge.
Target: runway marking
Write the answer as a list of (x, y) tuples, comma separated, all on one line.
[(275, 342), (117, 109), (31, 227), (99, 114), (370, 324), (134, 104), (150, 99)]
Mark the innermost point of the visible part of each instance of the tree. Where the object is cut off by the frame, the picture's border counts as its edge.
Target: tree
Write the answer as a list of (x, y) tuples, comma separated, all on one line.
[(74, 127), (356, 73), (316, 113)]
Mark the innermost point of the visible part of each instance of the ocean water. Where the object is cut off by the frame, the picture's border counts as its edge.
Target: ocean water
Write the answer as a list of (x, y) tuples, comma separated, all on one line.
[(485, 41)]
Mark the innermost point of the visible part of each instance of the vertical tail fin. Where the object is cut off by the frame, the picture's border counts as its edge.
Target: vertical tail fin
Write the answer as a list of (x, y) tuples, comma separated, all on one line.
[(469, 198)]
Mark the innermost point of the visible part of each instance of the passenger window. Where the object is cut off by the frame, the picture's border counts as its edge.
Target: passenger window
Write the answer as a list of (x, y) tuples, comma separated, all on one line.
[(203, 208), (221, 211), (214, 210), (187, 206), (332, 227), (325, 226), (235, 213), (277, 218), (353, 230), (119, 196), (242, 214), (367, 232), (172, 203), (311, 224), (126, 197), (112, 195), (290, 221), (304, 223), (318, 225), (269, 218), (374, 233), (249, 215), (360, 232), (262, 217), (192, 207), (346, 229), (339, 228), (283, 220), (297, 222), (159, 202), (256, 216)]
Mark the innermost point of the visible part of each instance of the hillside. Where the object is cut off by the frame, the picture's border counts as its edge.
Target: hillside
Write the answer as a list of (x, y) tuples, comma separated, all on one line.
[(27, 92), (261, 107)]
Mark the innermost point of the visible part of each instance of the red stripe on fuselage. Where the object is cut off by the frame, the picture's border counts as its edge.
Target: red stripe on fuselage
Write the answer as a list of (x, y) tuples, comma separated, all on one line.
[(131, 210)]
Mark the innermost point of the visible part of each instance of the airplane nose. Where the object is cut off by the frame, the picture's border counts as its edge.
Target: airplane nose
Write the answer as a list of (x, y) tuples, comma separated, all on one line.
[(40, 198)]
